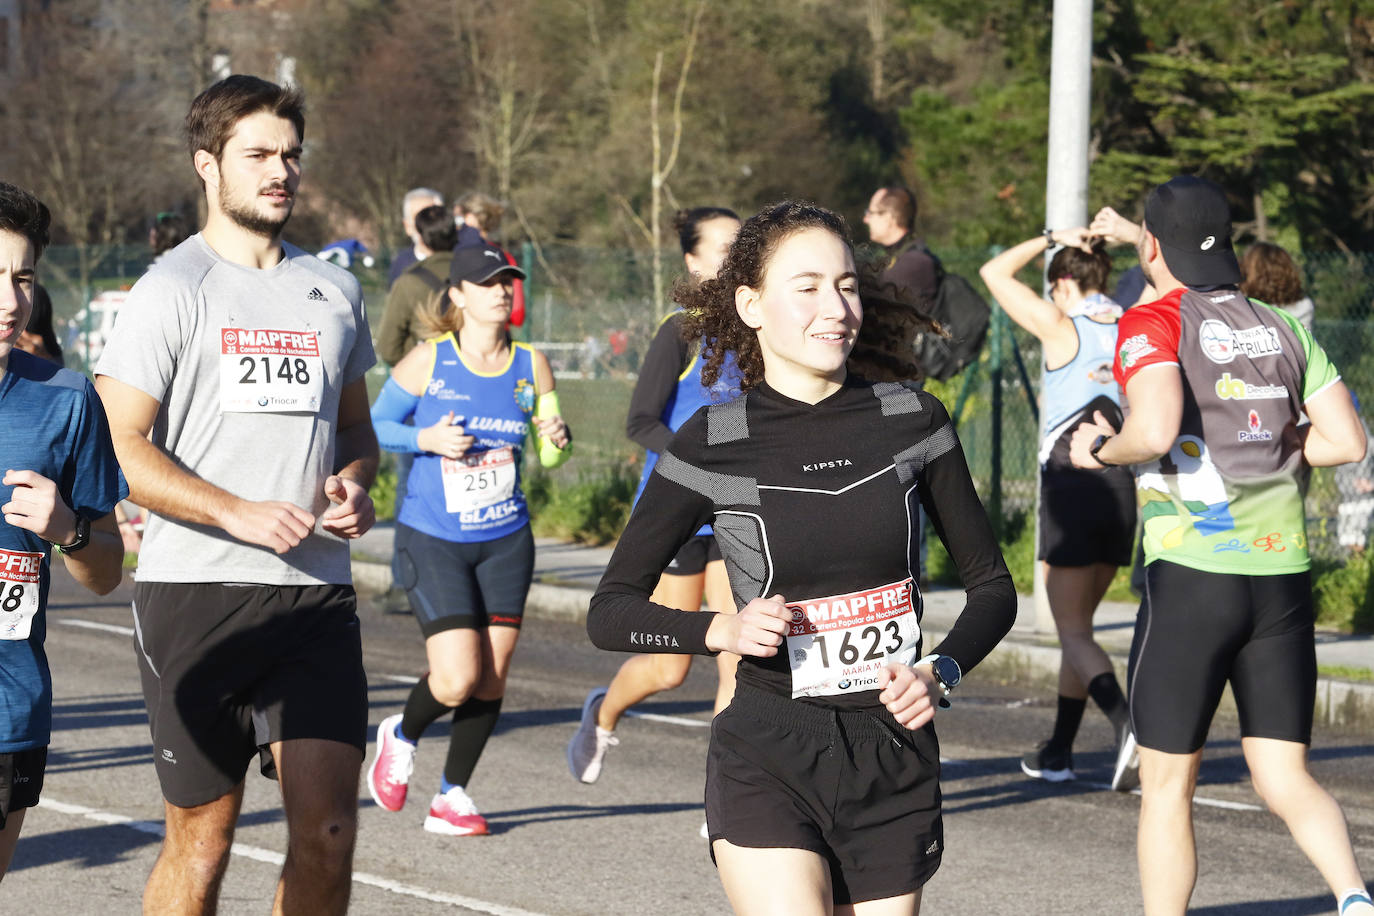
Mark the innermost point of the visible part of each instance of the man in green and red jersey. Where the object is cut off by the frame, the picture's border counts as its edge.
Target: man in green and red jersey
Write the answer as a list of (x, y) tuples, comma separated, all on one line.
[(1216, 384)]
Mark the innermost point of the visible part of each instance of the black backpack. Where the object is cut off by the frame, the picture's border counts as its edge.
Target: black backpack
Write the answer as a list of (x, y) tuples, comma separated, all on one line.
[(964, 314)]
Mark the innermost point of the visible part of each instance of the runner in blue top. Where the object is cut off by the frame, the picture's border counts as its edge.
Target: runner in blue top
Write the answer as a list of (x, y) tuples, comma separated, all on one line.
[(668, 391), (60, 486), (465, 551), (1087, 522)]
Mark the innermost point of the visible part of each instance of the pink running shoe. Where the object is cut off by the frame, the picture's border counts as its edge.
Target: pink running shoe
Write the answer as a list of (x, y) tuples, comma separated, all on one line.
[(389, 775), (454, 814)]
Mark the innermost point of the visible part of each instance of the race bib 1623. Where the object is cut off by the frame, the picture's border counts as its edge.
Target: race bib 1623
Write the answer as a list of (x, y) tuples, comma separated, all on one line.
[(838, 644)]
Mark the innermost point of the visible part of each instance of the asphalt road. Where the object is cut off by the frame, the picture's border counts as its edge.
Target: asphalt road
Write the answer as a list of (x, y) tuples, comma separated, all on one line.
[(629, 844)]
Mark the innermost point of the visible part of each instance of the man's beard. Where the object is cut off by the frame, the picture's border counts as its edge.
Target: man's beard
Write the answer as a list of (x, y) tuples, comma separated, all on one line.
[(1144, 267), (249, 219)]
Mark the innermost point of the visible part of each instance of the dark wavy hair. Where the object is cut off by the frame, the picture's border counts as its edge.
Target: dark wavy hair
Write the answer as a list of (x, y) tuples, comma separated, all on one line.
[(216, 112), (1269, 275), (687, 224), (26, 215), (1089, 271), (434, 224), (884, 350)]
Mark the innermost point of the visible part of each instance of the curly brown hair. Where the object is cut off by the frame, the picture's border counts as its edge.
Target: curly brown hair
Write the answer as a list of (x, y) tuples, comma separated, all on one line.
[(1269, 275), (884, 349)]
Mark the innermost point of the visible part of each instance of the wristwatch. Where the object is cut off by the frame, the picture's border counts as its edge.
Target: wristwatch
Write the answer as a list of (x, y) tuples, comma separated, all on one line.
[(1049, 237), (947, 675), (1097, 447), (83, 536)]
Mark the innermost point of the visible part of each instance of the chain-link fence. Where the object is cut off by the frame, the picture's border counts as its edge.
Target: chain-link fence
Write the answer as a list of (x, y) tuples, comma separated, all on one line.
[(593, 312)]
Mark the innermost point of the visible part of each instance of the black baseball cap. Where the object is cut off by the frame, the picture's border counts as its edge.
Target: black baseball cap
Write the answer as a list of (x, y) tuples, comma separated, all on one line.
[(479, 263), (1192, 221)]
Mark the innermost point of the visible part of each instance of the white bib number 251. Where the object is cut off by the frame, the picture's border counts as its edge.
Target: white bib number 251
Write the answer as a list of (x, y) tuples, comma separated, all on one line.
[(19, 579), (479, 480), (839, 644), (266, 371)]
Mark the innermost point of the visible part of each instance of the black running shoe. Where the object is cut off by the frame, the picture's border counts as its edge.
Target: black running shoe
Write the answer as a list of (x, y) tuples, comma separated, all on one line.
[(1051, 764)]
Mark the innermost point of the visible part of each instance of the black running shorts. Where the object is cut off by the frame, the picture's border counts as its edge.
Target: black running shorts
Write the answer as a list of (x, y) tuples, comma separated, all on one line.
[(1087, 517), (21, 780), (694, 556), (1196, 631), (457, 585), (859, 790), (228, 669)]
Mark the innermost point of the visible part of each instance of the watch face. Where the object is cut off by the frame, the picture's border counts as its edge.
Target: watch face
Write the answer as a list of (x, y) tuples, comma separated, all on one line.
[(947, 670)]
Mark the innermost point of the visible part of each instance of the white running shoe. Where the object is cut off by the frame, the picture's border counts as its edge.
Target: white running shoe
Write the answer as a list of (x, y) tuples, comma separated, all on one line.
[(1356, 903), (454, 814), (389, 776), (588, 746), (1126, 773)]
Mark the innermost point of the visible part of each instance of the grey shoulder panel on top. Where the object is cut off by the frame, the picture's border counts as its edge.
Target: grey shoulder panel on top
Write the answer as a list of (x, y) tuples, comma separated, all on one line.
[(897, 398), (721, 489), (727, 422), (912, 460), (742, 543)]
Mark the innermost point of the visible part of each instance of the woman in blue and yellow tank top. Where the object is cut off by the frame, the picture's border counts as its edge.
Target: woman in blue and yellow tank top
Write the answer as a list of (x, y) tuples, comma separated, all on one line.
[(464, 548), (1087, 523)]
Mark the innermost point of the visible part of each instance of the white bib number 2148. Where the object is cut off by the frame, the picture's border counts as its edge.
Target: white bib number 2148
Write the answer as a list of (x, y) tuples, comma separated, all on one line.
[(839, 644), (19, 578), (267, 371)]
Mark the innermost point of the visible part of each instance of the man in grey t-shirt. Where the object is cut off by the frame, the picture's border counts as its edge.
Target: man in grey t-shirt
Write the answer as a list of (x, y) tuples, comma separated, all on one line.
[(234, 383)]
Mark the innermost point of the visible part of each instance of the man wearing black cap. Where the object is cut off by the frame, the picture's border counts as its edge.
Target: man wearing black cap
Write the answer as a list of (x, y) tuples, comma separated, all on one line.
[(1216, 384)]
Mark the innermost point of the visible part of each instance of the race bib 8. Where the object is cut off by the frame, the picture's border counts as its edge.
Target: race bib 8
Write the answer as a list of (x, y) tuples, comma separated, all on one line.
[(839, 644), (479, 480), (267, 371), (19, 580)]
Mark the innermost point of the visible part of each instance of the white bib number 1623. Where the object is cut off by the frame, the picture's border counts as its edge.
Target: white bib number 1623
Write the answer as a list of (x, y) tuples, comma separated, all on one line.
[(838, 644), (19, 578)]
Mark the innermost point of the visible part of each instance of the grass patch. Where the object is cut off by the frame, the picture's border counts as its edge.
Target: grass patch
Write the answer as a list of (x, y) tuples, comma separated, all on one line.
[(589, 508), (1346, 673), (383, 490), (1344, 593)]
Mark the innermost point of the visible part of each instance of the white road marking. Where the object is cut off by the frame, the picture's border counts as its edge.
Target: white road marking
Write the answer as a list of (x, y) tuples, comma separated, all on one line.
[(669, 720), (270, 857), (652, 717), (92, 625), (1197, 799)]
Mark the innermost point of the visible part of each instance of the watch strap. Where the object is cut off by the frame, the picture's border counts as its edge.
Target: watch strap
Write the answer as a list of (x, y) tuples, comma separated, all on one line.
[(944, 688), (83, 536), (1097, 447)]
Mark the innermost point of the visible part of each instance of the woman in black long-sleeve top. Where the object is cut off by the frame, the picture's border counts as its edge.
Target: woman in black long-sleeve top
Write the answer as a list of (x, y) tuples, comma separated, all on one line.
[(823, 773)]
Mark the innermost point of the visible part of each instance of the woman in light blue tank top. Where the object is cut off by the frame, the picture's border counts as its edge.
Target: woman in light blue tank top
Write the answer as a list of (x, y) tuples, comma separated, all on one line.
[(668, 392), (465, 553), (1087, 519)]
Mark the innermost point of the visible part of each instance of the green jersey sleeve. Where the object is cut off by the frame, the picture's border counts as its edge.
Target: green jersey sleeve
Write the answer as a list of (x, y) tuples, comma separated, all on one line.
[(1318, 372)]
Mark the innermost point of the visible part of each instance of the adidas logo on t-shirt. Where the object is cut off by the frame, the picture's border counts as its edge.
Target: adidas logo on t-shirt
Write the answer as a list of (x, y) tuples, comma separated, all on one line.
[(316, 296)]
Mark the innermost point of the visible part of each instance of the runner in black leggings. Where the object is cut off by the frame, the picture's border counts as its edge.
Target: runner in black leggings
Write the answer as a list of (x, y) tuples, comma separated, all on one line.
[(823, 775), (668, 391), (463, 537)]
